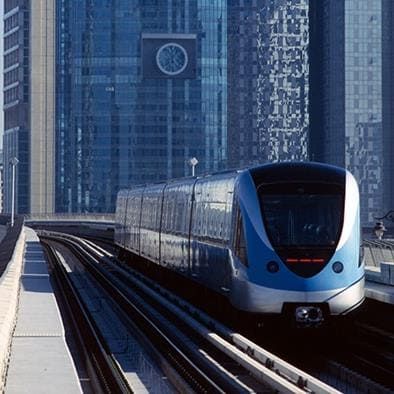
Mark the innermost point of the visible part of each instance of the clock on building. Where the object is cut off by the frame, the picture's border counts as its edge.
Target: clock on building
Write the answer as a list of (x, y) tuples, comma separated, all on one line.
[(171, 58)]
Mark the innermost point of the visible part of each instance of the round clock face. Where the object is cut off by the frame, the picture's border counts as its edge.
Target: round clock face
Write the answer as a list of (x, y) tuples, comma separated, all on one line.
[(171, 58)]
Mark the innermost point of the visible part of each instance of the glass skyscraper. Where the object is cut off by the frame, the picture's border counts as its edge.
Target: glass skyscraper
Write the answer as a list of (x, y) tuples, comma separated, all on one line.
[(243, 73), (283, 82), (29, 104), (141, 88), (268, 69), (144, 86), (351, 117), (16, 103)]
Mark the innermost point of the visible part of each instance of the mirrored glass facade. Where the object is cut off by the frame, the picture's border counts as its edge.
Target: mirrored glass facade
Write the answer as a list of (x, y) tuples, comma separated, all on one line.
[(363, 101), (349, 121), (283, 81), (243, 73), (268, 72), (28, 90), (16, 103), (141, 88)]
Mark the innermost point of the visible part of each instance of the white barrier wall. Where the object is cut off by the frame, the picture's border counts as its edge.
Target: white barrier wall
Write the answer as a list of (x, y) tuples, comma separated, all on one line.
[(9, 296), (384, 275)]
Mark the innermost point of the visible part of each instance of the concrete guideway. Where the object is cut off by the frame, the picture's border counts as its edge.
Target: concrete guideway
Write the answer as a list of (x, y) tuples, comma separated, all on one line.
[(94, 218), (379, 269), (379, 283), (376, 287), (39, 359), (379, 292), (9, 291), (34, 356)]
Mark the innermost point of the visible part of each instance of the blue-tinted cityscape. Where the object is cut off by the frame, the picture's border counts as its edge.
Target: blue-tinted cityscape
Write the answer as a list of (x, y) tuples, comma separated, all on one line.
[(101, 95)]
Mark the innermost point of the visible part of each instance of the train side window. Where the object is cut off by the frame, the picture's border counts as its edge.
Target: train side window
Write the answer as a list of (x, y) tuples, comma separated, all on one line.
[(362, 253), (166, 215), (240, 245)]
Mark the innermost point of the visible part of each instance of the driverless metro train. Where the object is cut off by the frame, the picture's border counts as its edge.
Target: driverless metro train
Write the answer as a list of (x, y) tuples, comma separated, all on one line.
[(274, 239)]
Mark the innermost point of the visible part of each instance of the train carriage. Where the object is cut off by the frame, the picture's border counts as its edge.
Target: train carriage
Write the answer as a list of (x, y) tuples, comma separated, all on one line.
[(273, 239)]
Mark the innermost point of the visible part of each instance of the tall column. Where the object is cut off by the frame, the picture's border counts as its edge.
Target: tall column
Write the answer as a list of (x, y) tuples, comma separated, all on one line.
[(42, 108)]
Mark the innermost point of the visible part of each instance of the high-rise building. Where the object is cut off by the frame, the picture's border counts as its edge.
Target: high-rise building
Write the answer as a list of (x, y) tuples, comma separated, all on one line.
[(242, 74), (1, 181), (351, 99), (268, 69), (29, 104), (283, 82), (16, 102), (141, 88)]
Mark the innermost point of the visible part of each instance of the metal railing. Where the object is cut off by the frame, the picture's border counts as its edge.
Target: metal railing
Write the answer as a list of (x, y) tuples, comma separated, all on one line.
[(72, 217), (376, 251), (7, 244)]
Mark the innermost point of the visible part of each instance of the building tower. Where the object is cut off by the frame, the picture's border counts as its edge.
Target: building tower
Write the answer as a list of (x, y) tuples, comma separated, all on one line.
[(268, 74), (283, 83), (243, 73), (1, 182), (141, 88), (351, 99), (29, 104)]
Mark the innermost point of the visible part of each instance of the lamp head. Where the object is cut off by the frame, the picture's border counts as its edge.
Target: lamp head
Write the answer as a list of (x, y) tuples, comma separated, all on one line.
[(14, 161), (193, 161), (379, 230)]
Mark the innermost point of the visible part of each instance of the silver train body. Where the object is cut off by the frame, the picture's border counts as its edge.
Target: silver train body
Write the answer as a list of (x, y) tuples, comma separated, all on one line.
[(274, 238)]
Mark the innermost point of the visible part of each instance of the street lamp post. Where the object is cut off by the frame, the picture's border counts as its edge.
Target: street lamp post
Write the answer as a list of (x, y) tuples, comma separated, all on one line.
[(193, 162), (379, 230), (14, 161)]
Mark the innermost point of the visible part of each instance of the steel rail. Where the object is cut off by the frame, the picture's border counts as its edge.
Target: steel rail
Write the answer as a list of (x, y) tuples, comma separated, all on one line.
[(263, 365), (373, 349), (269, 368), (295, 376), (271, 361), (197, 379), (107, 376)]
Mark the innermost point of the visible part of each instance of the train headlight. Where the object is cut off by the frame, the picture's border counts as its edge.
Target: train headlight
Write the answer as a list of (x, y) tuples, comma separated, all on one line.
[(272, 267), (337, 267), (308, 316)]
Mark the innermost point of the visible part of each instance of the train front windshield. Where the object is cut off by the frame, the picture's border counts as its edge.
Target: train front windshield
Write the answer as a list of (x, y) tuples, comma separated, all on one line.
[(296, 215)]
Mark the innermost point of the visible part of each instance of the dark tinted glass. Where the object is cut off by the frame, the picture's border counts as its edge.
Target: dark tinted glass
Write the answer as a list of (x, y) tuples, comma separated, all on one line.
[(302, 219)]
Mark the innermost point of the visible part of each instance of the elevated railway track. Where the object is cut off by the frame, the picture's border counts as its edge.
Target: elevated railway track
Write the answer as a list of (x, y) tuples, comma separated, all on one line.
[(229, 361)]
